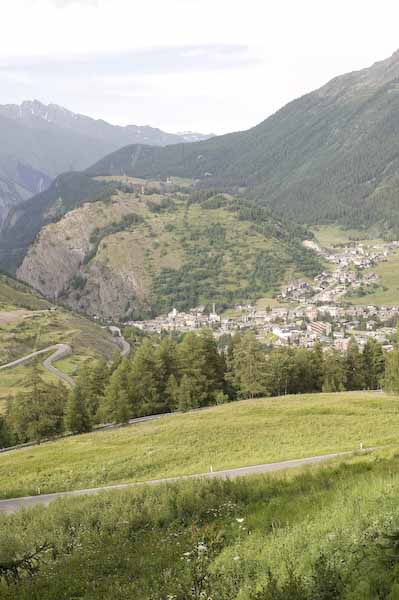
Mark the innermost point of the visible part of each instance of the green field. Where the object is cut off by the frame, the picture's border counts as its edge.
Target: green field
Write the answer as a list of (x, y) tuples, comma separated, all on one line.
[(231, 435), (15, 294), (331, 235), (387, 293)]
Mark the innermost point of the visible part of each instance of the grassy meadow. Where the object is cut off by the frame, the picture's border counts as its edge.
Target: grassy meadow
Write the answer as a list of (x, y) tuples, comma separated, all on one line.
[(387, 293), (332, 235), (231, 435), (317, 533)]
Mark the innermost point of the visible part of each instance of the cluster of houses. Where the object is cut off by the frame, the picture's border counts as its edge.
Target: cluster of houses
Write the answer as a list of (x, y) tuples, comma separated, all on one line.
[(309, 312), (331, 325), (350, 273)]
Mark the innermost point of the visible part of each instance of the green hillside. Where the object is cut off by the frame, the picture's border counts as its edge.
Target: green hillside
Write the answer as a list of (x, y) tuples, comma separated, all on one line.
[(330, 156), (237, 434), (28, 322), (131, 253)]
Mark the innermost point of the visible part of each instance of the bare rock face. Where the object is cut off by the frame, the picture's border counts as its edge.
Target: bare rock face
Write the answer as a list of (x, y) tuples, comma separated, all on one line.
[(56, 256), (99, 279), (107, 293)]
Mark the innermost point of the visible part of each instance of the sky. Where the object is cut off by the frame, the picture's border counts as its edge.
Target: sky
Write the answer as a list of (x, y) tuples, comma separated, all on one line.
[(200, 65)]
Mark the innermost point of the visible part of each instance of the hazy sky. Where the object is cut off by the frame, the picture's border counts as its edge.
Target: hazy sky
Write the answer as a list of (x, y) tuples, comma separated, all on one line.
[(205, 65)]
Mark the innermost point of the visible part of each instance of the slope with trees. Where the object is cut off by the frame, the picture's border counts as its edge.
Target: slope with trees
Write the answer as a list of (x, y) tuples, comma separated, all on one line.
[(127, 254), (330, 156)]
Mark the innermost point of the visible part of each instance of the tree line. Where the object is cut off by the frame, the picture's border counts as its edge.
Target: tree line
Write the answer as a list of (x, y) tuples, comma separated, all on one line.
[(166, 375)]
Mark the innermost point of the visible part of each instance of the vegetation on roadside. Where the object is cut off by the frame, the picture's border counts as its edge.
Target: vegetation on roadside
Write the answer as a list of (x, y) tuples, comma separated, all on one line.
[(326, 533), (226, 436)]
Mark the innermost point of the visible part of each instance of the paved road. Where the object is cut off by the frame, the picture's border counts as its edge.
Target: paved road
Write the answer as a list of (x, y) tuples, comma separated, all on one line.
[(124, 346), (15, 504), (60, 351)]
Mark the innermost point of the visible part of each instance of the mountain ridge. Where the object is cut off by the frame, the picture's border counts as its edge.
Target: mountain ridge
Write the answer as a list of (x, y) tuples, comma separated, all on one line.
[(50, 139), (331, 155)]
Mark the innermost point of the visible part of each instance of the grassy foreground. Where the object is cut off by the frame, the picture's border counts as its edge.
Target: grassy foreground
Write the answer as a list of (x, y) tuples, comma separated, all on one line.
[(316, 534), (232, 435)]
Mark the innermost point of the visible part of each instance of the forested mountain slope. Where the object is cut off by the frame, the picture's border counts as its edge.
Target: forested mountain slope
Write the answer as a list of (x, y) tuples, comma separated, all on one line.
[(38, 142), (332, 155), (129, 253)]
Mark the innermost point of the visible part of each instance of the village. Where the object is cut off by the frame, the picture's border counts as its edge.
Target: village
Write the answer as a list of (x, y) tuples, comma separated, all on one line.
[(323, 310)]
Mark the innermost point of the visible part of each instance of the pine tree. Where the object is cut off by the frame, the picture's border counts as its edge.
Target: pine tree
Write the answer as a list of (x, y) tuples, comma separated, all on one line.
[(188, 398), (334, 372), (92, 381), (317, 367), (37, 413), (117, 387), (172, 393), (374, 364), (391, 380), (166, 357), (123, 408), (280, 372), (247, 367), (145, 381), (6, 437), (354, 367), (199, 359), (77, 418)]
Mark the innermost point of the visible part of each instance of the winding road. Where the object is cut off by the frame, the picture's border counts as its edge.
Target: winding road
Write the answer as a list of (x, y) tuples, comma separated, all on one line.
[(15, 504), (59, 351)]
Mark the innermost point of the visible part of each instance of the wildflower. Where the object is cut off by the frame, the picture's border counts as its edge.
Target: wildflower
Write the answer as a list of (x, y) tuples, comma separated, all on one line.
[(240, 520), (236, 558)]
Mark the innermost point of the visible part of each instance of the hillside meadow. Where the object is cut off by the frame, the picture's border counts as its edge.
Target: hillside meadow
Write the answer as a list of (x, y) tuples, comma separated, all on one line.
[(323, 532), (231, 435)]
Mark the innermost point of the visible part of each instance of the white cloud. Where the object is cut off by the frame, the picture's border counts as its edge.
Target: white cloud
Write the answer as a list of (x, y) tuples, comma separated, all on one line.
[(294, 46)]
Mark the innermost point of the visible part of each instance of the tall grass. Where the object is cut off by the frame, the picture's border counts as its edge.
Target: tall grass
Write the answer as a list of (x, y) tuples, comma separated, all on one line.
[(232, 435), (320, 529)]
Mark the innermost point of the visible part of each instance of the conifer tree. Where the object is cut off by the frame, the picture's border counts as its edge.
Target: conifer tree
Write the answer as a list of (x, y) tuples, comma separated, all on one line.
[(166, 358), (145, 381), (187, 395), (354, 367), (391, 379), (6, 437), (38, 412), (374, 364), (334, 372), (199, 359), (172, 393), (117, 386), (247, 367), (123, 407), (77, 418)]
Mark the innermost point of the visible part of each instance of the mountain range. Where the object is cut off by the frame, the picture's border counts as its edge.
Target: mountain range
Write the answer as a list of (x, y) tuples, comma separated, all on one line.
[(41, 141), (331, 156)]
